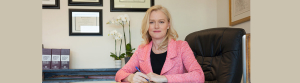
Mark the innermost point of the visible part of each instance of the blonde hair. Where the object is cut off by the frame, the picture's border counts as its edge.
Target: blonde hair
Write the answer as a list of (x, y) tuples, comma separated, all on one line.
[(171, 32)]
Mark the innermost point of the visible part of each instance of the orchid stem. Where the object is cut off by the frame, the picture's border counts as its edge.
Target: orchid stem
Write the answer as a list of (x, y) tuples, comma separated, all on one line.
[(129, 34), (124, 35), (116, 47), (120, 48)]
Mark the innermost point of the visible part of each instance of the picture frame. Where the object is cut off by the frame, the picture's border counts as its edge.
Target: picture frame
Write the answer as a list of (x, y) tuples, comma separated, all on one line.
[(51, 4), (85, 22), (130, 5), (239, 11), (85, 2)]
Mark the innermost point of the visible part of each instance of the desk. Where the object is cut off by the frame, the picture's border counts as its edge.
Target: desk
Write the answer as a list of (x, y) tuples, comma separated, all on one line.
[(79, 75)]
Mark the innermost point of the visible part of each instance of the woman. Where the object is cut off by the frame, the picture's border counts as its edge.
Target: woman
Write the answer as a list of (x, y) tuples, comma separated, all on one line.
[(161, 58)]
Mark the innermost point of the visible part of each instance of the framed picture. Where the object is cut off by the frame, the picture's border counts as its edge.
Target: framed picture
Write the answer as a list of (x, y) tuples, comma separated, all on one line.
[(239, 11), (85, 22), (50, 4), (85, 3), (130, 5)]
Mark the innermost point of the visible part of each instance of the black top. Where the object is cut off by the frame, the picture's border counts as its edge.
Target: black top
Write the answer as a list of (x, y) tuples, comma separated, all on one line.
[(157, 61)]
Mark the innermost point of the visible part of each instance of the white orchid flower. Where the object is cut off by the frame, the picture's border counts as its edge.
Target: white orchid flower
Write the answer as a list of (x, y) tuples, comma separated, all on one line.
[(118, 36), (123, 18), (120, 17), (115, 21), (127, 22), (126, 17), (112, 21), (113, 33)]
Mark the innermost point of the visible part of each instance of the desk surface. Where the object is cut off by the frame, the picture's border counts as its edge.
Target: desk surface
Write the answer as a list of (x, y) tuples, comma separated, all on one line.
[(79, 75), (75, 70)]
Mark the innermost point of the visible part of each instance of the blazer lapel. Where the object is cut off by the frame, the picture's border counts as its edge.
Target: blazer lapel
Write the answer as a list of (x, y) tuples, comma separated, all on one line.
[(145, 59), (171, 53)]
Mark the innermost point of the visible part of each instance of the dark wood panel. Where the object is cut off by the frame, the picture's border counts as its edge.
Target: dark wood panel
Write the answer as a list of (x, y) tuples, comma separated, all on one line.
[(69, 70), (47, 75), (77, 80), (79, 75)]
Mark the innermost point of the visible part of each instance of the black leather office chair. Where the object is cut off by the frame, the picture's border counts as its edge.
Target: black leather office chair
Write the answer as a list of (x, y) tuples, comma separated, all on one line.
[(219, 52)]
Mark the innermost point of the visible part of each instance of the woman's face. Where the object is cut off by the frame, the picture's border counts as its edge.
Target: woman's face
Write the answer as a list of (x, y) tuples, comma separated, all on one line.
[(158, 25)]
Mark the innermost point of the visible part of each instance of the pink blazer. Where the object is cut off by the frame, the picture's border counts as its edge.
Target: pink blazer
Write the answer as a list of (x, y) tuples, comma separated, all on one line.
[(180, 64)]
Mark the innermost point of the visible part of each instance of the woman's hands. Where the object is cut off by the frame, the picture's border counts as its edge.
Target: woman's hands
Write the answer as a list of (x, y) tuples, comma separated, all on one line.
[(157, 78), (138, 77)]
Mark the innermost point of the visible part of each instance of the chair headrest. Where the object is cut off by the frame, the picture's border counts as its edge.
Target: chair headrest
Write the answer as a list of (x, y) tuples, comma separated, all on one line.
[(215, 41)]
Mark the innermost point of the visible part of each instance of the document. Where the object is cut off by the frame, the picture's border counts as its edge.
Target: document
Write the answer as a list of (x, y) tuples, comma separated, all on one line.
[(48, 2), (85, 0), (85, 21)]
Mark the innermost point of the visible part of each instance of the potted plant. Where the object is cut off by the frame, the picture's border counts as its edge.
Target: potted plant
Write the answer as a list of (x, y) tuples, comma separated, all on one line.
[(123, 20), (118, 37)]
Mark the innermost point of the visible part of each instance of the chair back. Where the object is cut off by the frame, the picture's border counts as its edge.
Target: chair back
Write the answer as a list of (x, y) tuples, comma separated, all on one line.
[(219, 53)]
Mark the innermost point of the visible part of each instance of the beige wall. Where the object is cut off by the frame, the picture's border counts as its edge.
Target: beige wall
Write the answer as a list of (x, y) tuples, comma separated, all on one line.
[(93, 51), (223, 16)]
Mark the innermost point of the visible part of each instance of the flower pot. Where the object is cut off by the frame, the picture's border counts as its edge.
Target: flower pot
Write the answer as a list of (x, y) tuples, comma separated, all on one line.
[(126, 59), (118, 63), (122, 62)]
